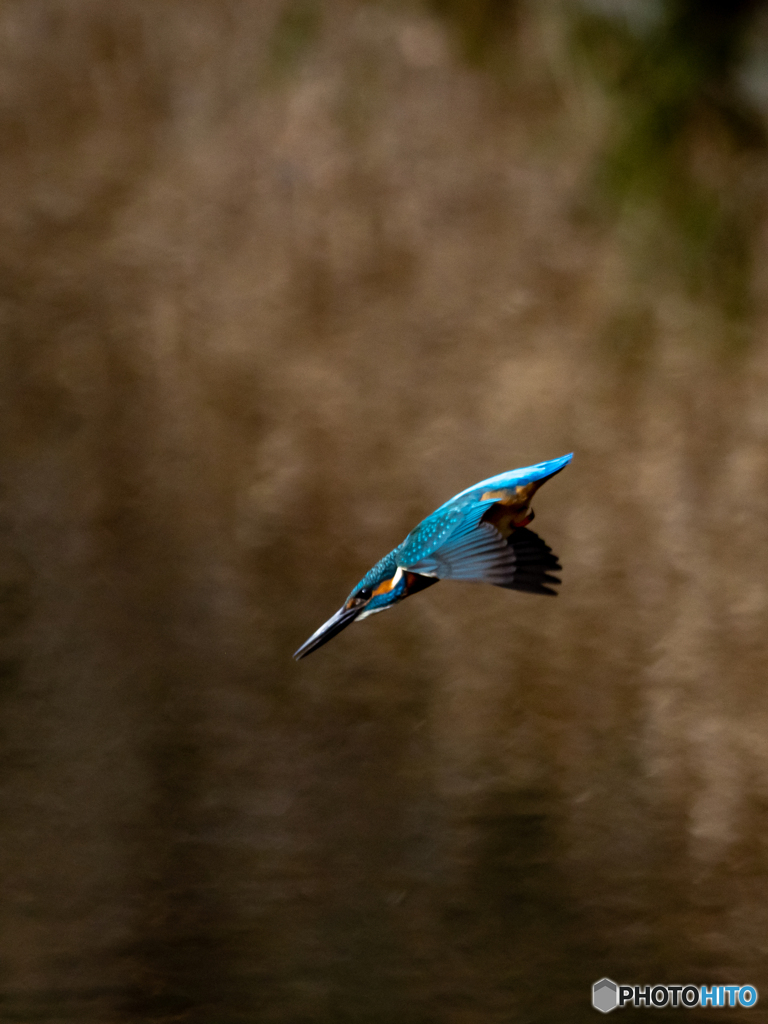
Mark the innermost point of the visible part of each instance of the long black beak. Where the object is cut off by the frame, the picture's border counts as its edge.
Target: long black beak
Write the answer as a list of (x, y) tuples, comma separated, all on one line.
[(329, 629)]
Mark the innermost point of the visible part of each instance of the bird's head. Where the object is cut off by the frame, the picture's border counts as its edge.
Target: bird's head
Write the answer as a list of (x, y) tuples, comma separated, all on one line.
[(381, 588)]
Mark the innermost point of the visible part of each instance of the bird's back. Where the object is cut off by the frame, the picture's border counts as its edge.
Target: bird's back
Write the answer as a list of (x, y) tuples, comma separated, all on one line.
[(462, 514), (513, 478)]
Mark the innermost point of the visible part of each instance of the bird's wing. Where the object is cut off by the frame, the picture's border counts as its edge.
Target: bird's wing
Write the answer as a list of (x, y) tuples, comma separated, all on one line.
[(449, 524), (481, 535), (531, 563), (519, 561)]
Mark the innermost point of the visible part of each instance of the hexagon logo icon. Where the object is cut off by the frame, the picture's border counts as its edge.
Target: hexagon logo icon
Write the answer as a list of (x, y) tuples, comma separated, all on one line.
[(604, 997)]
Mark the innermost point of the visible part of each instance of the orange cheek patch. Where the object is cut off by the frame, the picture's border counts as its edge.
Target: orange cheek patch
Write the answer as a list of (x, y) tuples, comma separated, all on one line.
[(385, 587)]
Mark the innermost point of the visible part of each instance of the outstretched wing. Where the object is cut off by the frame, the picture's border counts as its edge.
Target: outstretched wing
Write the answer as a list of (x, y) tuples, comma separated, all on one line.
[(480, 534), (520, 561), (449, 525)]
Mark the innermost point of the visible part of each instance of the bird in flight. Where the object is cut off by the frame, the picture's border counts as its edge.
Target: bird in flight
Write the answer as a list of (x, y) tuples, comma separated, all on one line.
[(480, 535)]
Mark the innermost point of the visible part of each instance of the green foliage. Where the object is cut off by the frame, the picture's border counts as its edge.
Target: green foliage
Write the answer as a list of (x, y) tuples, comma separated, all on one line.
[(681, 133)]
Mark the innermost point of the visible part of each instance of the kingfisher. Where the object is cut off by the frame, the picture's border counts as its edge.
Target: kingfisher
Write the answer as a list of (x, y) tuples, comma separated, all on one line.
[(480, 535)]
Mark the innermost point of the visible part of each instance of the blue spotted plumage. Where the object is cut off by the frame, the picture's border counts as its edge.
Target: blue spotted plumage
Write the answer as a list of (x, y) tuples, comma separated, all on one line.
[(478, 535)]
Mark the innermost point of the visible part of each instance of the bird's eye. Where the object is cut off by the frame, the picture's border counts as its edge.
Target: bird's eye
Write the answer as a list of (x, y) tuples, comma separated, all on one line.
[(363, 594)]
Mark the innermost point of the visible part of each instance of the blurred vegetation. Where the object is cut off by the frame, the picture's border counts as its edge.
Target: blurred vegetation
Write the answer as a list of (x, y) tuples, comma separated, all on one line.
[(278, 278), (298, 26), (479, 25), (682, 130)]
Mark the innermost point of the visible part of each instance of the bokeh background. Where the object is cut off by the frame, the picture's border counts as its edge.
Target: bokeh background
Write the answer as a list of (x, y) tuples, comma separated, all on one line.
[(277, 279)]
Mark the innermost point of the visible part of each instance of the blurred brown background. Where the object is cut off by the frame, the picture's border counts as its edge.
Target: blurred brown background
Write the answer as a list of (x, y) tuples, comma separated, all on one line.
[(278, 278)]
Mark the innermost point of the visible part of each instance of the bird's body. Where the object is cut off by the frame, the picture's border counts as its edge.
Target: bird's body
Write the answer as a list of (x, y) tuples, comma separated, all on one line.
[(480, 535)]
